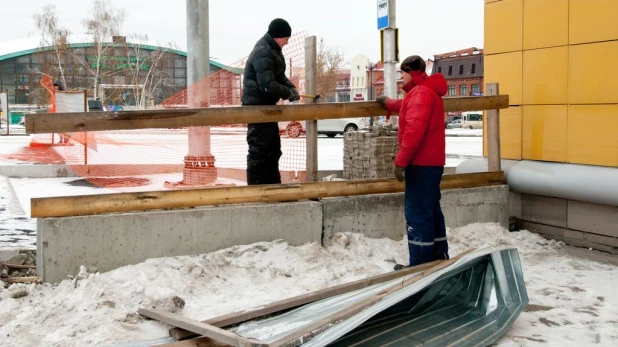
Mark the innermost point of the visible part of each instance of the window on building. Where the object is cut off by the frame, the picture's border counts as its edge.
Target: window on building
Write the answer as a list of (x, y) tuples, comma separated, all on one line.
[(476, 88), (473, 68), (439, 69), (451, 91), (463, 89), (461, 69), (450, 70)]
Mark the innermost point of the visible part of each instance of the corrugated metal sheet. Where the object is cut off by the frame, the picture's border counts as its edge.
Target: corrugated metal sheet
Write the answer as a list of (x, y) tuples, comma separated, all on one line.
[(470, 303)]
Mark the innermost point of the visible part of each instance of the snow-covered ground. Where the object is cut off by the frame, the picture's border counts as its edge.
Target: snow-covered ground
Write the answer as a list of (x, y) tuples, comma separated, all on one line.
[(571, 291)]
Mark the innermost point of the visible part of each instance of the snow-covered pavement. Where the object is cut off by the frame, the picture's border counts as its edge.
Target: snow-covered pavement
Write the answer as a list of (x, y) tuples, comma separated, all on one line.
[(571, 291)]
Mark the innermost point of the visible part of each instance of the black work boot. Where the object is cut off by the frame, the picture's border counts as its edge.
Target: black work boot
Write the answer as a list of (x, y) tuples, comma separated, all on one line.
[(399, 267)]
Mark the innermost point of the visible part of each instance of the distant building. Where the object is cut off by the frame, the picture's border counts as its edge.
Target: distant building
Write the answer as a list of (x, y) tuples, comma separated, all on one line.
[(377, 78), (359, 79), (463, 71)]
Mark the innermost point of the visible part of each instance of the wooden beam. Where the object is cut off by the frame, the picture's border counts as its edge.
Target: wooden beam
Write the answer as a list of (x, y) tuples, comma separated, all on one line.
[(175, 199), (312, 125), (493, 133), (21, 279), (239, 317), (213, 116), (201, 328)]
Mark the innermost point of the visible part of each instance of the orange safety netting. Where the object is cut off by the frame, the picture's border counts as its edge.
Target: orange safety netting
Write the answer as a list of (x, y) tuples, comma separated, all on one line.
[(155, 158)]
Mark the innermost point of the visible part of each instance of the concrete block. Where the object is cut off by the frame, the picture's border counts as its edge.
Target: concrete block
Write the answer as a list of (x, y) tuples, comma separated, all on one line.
[(380, 216), (110, 241), (476, 205), (375, 216), (593, 218), (544, 210), (37, 170)]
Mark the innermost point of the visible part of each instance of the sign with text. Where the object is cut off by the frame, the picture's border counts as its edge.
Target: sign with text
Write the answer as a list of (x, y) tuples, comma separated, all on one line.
[(383, 21)]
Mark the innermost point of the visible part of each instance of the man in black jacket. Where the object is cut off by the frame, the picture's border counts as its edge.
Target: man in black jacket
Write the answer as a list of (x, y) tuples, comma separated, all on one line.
[(265, 83)]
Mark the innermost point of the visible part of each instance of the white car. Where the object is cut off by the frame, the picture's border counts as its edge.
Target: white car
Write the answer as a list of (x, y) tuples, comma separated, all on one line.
[(328, 127)]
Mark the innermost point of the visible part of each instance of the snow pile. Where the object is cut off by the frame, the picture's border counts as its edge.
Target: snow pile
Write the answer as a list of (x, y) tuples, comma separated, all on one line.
[(571, 296), (478, 235)]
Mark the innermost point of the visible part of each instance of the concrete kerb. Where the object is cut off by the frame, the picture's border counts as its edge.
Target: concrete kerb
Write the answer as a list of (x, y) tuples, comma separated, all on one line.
[(379, 216), (106, 242)]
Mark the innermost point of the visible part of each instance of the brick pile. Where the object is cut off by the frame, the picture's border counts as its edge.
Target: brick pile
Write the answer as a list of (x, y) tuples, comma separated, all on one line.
[(369, 153)]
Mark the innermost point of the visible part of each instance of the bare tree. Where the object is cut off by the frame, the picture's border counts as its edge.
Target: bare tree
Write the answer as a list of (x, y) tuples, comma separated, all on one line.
[(329, 63), (54, 42), (146, 69), (104, 23)]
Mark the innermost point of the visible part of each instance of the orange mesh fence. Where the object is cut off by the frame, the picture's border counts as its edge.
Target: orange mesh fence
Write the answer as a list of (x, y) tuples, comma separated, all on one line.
[(151, 159)]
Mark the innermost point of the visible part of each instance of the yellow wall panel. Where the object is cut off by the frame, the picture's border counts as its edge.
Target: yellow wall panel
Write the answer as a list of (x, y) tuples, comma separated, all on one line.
[(593, 20), (506, 69), (544, 134), (510, 133), (593, 135), (593, 73), (545, 76), (546, 23), (503, 26)]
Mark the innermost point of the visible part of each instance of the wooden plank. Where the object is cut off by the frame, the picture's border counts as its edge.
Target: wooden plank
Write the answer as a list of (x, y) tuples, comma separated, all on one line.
[(297, 337), (201, 328), (197, 342), (493, 133), (312, 125), (213, 116), (238, 317), (143, 201), (21, 266), (21, 279)]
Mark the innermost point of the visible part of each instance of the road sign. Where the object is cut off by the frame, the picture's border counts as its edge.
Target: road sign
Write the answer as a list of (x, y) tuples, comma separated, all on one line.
[(383, 21)]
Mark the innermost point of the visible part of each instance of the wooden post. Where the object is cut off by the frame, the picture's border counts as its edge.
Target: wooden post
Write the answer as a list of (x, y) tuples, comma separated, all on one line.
[(312, 125), (493, 132)]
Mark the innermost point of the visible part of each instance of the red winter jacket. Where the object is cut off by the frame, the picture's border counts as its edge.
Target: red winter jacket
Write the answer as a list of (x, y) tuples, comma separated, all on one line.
[(421, 122)]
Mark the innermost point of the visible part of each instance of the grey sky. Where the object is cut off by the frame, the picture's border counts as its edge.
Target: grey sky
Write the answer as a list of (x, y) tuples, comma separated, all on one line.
[(426, 27)]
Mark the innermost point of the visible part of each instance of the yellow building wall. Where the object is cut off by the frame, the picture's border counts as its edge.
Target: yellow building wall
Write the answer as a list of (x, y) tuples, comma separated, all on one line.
[(557, 61)]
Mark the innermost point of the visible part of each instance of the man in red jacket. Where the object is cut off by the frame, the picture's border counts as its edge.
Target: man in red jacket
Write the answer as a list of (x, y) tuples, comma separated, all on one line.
[(421, 158)]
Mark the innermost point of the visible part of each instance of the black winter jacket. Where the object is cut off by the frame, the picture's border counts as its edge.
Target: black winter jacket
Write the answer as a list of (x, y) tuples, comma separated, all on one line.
[(264, 81)]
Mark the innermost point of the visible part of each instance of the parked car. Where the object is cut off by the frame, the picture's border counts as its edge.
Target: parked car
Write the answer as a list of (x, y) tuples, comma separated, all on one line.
[(328, 127), (22, 121), (449, 119), (454, 124)]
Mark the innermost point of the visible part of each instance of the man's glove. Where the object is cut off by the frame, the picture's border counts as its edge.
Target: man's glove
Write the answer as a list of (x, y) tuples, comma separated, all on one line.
[(398, 171), (382, 100), (295, 96)]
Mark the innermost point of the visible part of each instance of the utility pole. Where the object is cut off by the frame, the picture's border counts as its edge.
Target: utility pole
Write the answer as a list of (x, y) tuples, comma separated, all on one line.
[(390, 50), (199, 163)]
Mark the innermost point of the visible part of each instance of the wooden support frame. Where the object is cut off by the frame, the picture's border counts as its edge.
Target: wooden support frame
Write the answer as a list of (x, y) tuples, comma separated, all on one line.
[(312, 125), (493, 133), (293, 339), (170, 199), (214, 116), (201, 328)]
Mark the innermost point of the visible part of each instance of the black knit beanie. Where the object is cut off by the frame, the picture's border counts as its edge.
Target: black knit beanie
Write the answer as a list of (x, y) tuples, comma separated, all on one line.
[(279, 28), (414, 63)]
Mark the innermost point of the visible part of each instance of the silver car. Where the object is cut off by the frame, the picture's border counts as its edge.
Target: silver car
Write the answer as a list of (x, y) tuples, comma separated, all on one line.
[(454, 124)]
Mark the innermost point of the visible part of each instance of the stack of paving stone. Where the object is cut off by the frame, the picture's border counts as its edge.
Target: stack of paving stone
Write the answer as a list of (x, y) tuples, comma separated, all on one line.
[(369, 153)]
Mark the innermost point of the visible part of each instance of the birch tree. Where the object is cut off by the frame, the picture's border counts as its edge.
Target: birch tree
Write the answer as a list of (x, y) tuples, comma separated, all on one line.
[(54, 42)]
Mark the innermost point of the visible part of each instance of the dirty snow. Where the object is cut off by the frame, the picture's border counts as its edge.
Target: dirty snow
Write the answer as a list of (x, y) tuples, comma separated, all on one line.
[(570, 294)]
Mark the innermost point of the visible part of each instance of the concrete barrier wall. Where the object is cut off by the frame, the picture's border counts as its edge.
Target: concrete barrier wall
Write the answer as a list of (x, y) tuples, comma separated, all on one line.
[(107, 242), (379, 216)]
